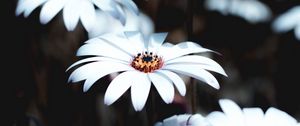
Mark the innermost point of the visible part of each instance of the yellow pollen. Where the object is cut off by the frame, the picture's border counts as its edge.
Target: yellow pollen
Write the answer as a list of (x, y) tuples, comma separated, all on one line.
[(146, 62)]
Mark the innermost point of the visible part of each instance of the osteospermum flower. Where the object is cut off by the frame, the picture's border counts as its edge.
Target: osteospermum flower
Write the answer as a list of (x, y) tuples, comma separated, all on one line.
[(288, 21), (184, 120), (75, 10), (141, 62), (233, 115), (252, 11)]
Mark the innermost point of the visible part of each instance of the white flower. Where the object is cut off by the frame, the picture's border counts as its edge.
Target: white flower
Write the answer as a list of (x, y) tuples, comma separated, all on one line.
[(252, 11), (75, 10), (141, 62), (134, 22), (233, 115), (288, 21), (184, 120)]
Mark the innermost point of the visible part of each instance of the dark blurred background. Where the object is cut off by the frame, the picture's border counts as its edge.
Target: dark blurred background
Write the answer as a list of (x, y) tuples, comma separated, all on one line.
[(262, 67)]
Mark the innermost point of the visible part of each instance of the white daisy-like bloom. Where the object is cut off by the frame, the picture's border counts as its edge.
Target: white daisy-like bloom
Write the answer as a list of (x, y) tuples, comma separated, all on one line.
[(75, 10), (233, 115), (252, 11), (140, 22), (288, 21), (184, 120), (142, 62)]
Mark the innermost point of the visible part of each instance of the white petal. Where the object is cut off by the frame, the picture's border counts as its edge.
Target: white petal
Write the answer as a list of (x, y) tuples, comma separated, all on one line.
[(120, 15), (50, 9), (110, 6), (178, 82), (146, 25), (264, 13), (91, 59), (156, 40), (197, 120), (277, 117), (182, 119), (167, 44), (118, 86), (140, 90), (283, 24), (195, 72), (71, 15), (105, 5), (118, 41), (93, 71), (163, 85), (217, 5), (252, 11), (189, 45), (130, 5), (137, 40), (21, 6), (102, 48), (27, 6), (88, 15), (102, 21), (158, 124), (182, 49), (34, 4), (171, 121), (132, 21), (202, 61), (219, 119), (297, 31), (232, 110), (287, 21), (253, 116)]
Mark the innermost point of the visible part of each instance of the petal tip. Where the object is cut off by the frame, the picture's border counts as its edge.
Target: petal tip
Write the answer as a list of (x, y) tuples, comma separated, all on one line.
[(107, 101)]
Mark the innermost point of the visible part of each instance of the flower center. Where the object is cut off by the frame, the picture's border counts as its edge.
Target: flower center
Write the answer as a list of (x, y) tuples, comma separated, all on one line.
[(146, 62)]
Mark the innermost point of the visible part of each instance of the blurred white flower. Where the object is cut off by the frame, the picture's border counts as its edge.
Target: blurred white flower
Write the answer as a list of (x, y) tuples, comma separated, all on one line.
[(75, 10), (233, 115), (288, 21), (141, 62), (184, 120), (140, 22), (252, 11)]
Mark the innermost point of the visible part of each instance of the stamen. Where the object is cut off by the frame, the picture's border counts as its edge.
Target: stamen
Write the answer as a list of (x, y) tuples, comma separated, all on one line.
[(147, 63)]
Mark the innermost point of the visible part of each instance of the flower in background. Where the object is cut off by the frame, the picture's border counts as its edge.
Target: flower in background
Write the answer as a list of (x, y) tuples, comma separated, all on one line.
[(233, 115), (134, 22), (252, 11), (141, 62), (288, 21), (184, 120), (75, 10)]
